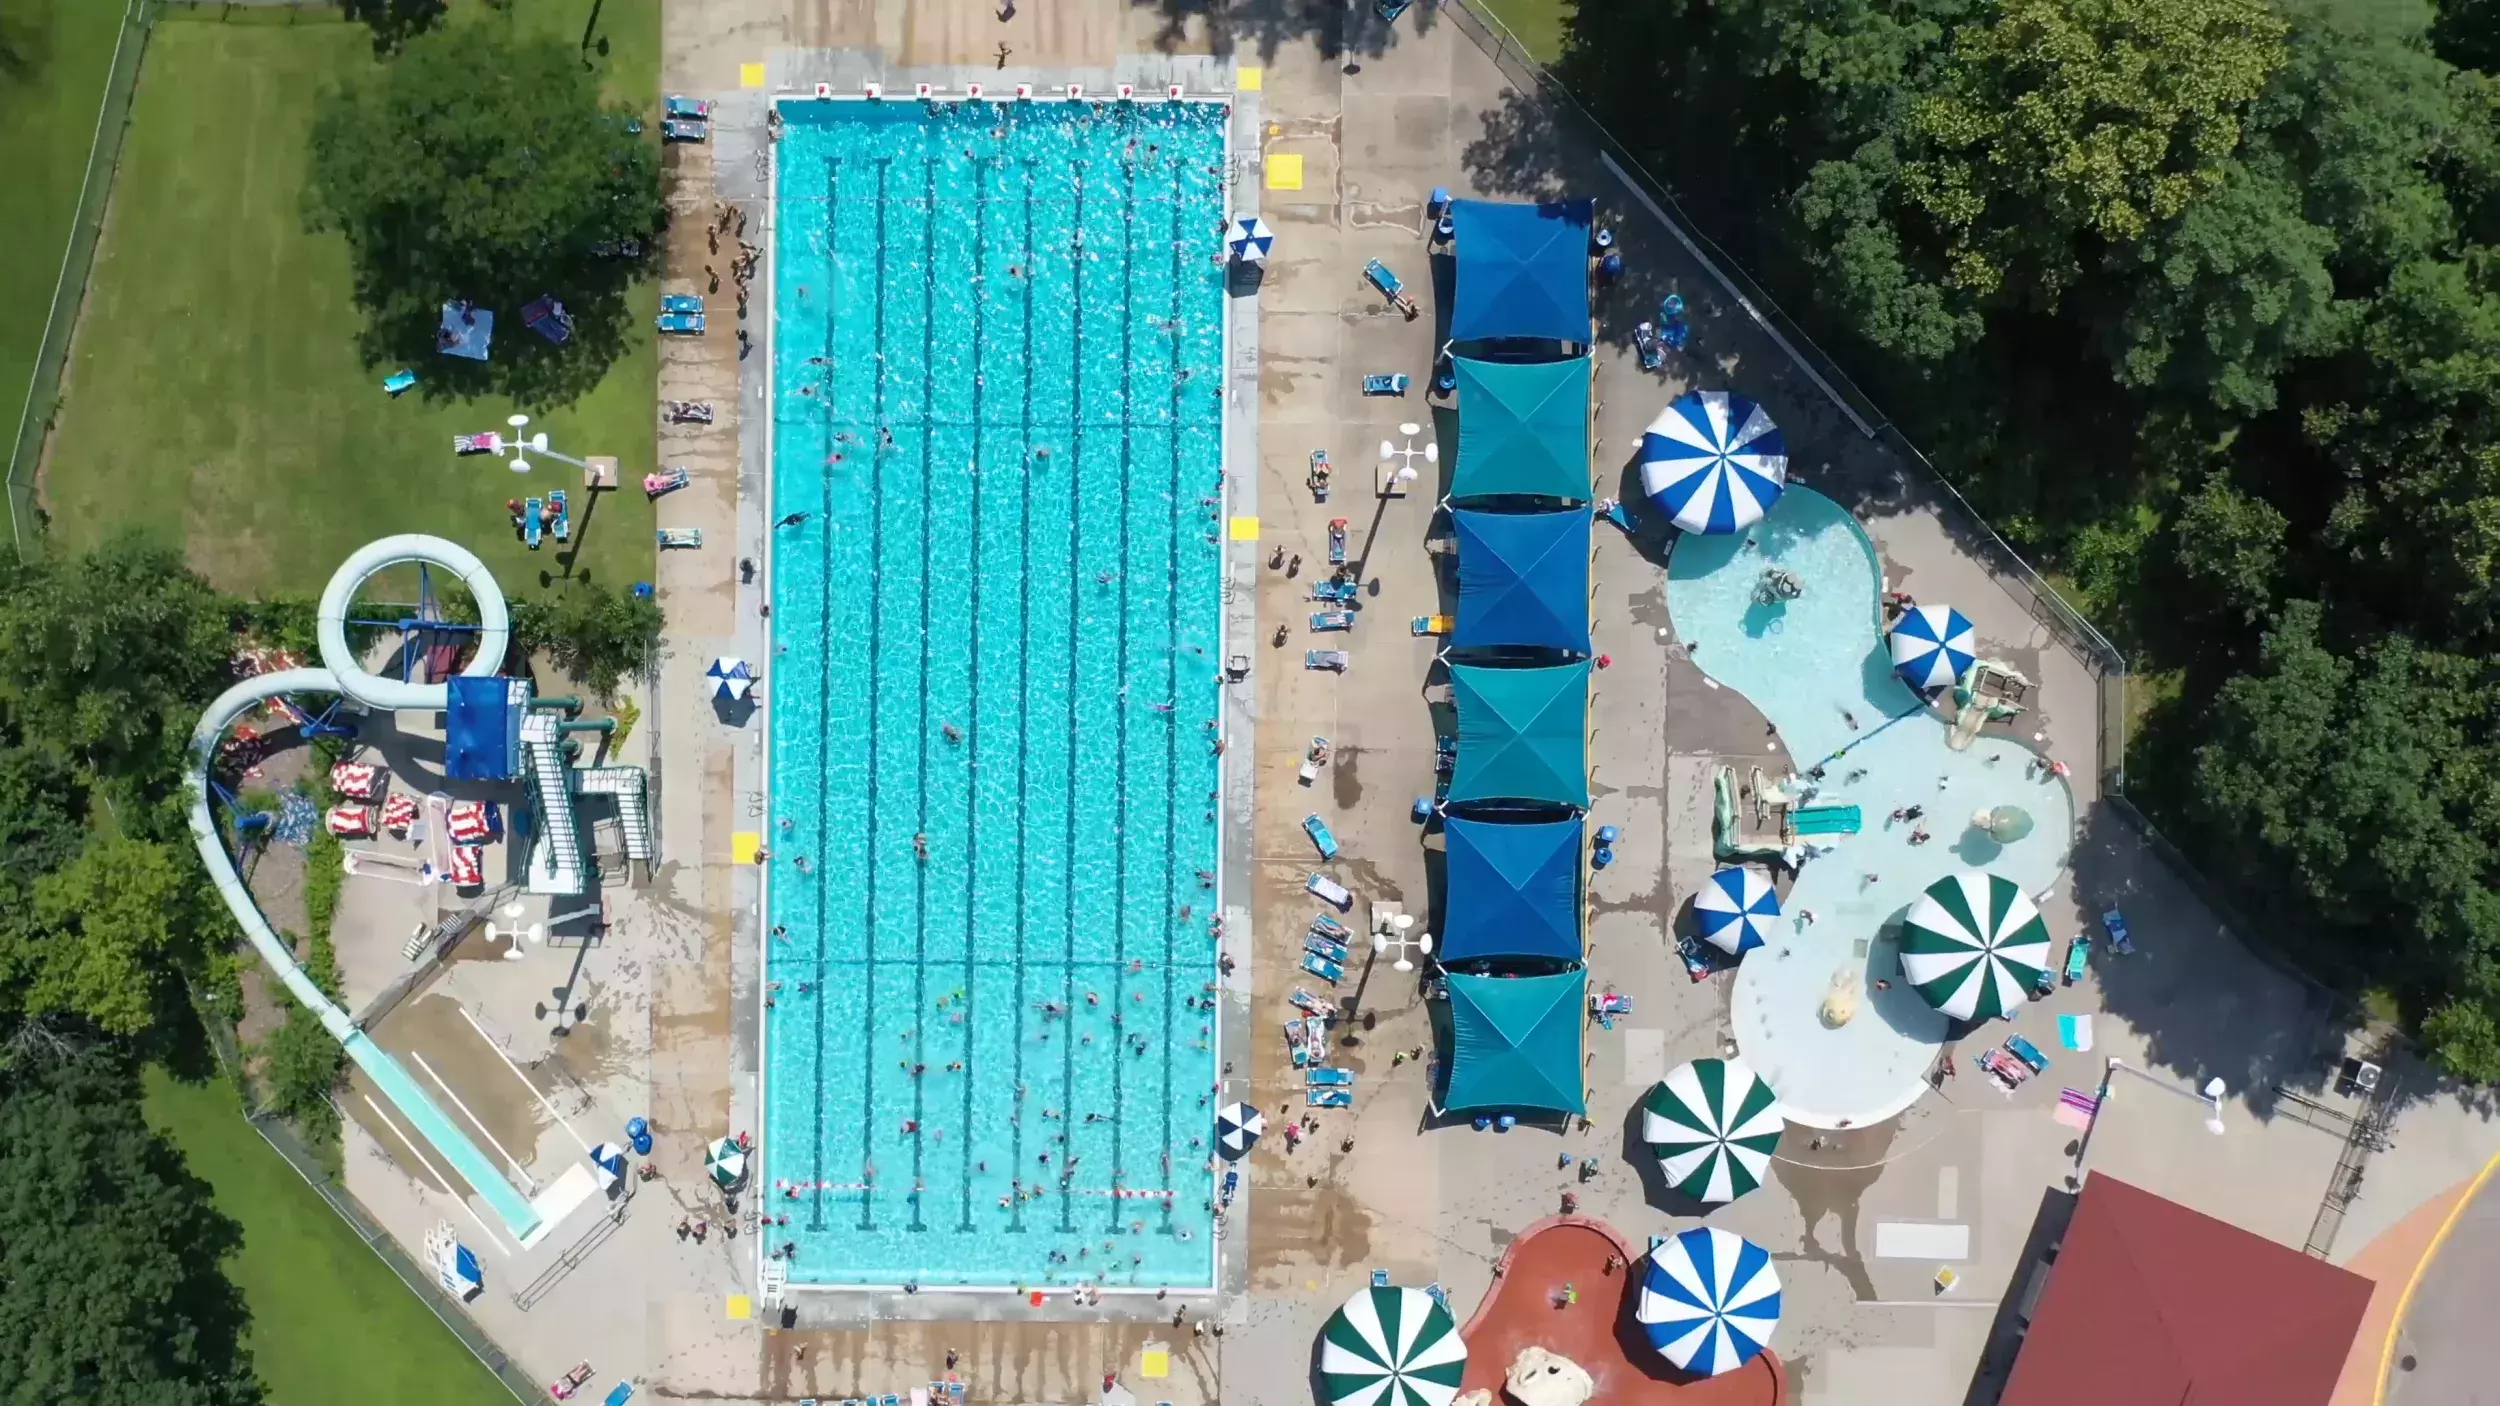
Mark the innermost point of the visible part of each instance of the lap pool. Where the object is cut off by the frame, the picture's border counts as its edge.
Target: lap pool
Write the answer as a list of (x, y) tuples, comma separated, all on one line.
[(997, 355)]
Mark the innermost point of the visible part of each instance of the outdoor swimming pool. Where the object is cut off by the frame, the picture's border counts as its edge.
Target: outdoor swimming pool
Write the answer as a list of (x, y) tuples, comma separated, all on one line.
[(997, 368), (1814, 666)]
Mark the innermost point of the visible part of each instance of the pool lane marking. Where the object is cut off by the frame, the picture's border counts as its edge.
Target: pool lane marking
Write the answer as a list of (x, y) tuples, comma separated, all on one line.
[(417, 1149), (876, 650), (524, 1078), (1121, 705), (1024, 706), (972, 713), (518, 1170), (1172, 677), (824, 697), (1076, 573), (920, 1045)]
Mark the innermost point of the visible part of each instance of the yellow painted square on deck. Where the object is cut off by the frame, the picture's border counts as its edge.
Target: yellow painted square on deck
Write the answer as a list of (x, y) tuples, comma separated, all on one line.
[(743, 846), (1284, 171), (740, 1306), (1245, 529), (1249, 79), (1154, 1364), (750, 75)]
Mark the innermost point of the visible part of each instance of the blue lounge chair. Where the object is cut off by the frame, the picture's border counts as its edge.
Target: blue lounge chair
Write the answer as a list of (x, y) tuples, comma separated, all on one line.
[(1329, 1074), (1331, 659), (1387, 383), (1389, 10), (1329, 927), (1380, 1279), (681, 106), (399, 381), (1322, 968), (1329, 891), (1333, 592), (1326, 620), (533, 517), (563, 526), (2115, 923), (620, 1393), (2078, 956), (1333, 951), (681, 302), (1645, 341), (690, 129), (1320, 835), (1330, 1098), (1336, 541), (2028, 1053), (682, 323), (1232, 1186), (1390, 288)]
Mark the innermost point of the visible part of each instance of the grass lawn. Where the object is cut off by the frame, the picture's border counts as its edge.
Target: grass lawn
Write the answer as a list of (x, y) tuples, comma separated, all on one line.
[(215, 398), (1538, 24), (51, 88), (329, 1320)]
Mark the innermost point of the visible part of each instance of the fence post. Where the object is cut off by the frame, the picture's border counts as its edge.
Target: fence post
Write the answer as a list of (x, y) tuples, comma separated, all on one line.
[(69, 287)]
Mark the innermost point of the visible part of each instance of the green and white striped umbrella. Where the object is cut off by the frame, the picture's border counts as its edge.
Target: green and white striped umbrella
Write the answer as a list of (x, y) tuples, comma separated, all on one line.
[(727, 1162), (1974, 945), (1391, 1347), (1713, 1124)]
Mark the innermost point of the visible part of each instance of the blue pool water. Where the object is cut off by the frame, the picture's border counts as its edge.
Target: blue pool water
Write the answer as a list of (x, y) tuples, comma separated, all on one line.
[(1812, 666), (997, 357)]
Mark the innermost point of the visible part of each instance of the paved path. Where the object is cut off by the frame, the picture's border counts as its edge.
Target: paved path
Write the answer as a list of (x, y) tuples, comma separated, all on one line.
[(2445, 1353)]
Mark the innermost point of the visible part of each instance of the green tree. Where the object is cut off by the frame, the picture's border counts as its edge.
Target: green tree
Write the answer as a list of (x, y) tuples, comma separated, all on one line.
[(2230, 545), (109, 658), (598, 636), (114, 927), (482, 165), (2360, 787), (111, 1253)]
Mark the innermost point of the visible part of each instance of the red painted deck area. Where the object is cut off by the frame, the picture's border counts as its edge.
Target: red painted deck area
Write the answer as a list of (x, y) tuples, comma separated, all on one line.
[(1598, 1332)]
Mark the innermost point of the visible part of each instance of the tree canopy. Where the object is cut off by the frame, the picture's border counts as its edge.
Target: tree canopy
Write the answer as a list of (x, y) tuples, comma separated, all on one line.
[(2199, 300), (483, 165), (112, 1287)]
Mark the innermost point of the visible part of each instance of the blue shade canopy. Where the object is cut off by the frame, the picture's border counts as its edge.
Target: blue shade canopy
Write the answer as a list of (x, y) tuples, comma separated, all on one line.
[(1523, 270), (1709, 1300), (1523, 580), (1933, 645), (482, 732), (1522, 734), (1714, 461), (1514, 891), (1515, 1042), (1735, 910), (1523, 429)]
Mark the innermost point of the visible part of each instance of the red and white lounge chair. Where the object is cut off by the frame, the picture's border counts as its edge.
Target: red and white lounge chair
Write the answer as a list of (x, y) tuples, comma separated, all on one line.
[(399, 812), (350, 822), (357, 779), (468, 866), (468, 823)]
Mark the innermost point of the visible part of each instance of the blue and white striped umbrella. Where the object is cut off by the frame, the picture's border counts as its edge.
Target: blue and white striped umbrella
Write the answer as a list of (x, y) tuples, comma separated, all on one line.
[(1709, 1300), (1932, 645), (1252, 239), (730, 678), (1735, 910), (1714, 461)]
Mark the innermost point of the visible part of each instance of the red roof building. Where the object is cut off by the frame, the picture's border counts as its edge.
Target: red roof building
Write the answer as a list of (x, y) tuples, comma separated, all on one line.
[(2151, 1304)]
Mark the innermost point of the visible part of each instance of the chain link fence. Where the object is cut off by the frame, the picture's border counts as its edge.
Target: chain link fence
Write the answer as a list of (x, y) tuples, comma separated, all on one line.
[(283, 1140), (43, 391), (2053, 611), (2103, 659)]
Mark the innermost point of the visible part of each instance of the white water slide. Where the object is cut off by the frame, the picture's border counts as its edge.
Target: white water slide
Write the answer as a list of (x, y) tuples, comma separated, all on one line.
[(341, 674)]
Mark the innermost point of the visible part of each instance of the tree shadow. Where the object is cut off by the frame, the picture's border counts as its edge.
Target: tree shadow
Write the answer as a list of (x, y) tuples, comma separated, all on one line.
[(25, 47), (401, 330), (1340, 30), (394, 22)]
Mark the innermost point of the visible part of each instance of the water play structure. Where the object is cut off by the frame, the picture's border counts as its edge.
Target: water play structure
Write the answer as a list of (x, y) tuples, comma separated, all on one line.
[(498, 730)]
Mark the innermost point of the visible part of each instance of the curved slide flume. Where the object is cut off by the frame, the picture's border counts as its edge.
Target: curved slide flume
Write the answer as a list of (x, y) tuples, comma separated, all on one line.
[(341, 674)]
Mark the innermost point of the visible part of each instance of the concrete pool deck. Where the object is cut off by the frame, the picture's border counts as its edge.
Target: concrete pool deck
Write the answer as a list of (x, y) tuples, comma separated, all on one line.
[(1427, 107)]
